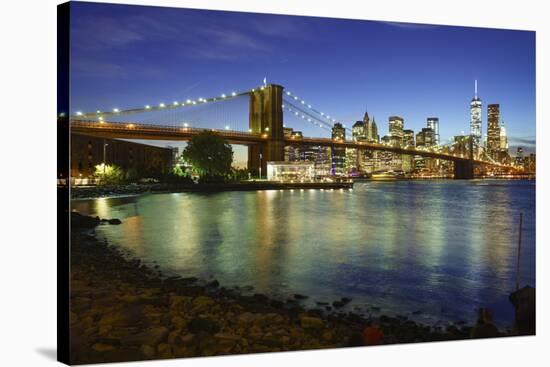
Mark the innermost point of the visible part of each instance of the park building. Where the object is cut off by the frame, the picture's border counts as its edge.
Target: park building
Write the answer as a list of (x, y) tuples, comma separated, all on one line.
[(291, 171), (141, 160)]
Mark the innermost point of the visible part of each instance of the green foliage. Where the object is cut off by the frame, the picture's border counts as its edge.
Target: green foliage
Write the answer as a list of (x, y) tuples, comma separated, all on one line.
[(240, 174), (178, 171), (131, 175), (109, 174), (212, 179), (209, 155)]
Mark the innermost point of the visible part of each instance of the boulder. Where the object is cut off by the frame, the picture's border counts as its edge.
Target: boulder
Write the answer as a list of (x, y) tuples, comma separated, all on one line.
[(246, 318), (150, 337), (309, 322), (524, 303), (204, 325)]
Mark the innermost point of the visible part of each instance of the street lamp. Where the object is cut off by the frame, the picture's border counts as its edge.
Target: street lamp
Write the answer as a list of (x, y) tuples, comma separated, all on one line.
[(104, 154), (260, 166)]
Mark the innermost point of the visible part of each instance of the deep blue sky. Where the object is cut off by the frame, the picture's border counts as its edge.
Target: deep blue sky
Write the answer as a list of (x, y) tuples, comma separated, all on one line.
[(129, 56)]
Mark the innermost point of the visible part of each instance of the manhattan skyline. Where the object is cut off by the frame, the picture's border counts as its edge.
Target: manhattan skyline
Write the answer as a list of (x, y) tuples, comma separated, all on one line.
[(122, 57)]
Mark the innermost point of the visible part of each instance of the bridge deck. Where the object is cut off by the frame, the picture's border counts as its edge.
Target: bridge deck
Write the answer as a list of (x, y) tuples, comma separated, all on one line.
[(117, 130)]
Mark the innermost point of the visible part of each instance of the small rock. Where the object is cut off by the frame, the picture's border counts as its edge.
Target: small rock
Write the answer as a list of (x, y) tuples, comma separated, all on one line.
[(147, 351), (101, 347), (197, 325), (164, 350), (114, 221), (213, 284), (309, 322), (300, 296), (246, 318), (152, 337)]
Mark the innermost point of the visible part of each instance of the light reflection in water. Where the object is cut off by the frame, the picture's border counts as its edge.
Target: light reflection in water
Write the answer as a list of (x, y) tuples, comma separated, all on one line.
[(440, 247)]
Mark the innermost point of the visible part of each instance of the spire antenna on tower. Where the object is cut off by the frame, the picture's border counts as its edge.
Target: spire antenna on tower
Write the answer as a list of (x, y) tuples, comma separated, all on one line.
[(475, 88)]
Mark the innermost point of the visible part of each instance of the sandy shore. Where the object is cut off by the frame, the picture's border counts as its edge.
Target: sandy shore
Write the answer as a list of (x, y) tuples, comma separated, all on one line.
[(122, 310)]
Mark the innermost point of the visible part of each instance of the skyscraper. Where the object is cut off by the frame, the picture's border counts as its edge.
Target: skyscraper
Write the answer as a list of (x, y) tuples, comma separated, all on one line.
[(503, 139), (408, 139), (493, 130), (425, 138), (338, 154), (433, 123), (359, 131), (475, 119), (396, 124), (372, 132)]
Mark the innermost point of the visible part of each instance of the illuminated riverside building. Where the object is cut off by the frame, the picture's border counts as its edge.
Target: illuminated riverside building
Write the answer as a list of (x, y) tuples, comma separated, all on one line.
[(475, 120), (493, 131), (433, 123), (338, 155)]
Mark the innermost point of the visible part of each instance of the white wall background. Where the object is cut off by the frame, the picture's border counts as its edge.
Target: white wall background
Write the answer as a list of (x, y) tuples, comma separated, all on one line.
[(28, 144)]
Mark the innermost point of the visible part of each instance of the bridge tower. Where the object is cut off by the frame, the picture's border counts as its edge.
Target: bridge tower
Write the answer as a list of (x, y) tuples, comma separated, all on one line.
[(464, 169), (266, 118)]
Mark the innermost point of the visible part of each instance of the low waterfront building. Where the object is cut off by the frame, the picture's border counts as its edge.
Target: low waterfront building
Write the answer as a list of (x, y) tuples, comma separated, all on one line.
[(290, 171), (145, 160)]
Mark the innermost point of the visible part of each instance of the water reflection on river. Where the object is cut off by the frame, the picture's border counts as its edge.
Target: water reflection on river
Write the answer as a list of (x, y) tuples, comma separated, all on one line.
[(443, 248)]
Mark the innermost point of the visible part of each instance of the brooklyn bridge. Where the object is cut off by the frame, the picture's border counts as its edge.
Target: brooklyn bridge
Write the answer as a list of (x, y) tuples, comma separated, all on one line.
[(265, 137)]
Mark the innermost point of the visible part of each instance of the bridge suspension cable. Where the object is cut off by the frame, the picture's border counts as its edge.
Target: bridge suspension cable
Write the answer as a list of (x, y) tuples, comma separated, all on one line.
[(291, 98), (159, 107), (298, 112)]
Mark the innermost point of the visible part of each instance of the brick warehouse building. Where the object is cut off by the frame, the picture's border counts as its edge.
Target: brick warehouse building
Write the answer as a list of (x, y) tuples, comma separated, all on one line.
[(147, 160)]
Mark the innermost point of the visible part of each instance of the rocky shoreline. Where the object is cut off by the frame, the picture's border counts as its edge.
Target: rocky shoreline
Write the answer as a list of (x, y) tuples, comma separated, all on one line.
[(123, 310)]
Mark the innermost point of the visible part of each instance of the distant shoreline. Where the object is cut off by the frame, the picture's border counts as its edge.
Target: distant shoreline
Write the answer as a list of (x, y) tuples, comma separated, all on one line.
[(91, 192)]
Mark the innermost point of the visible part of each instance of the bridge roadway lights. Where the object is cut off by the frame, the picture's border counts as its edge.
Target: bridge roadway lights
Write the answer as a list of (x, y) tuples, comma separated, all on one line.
[(464, 170)]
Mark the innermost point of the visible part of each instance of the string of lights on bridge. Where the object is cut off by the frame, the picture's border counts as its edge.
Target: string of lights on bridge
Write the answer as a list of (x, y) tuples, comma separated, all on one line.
[(161, 106), (289, 97)]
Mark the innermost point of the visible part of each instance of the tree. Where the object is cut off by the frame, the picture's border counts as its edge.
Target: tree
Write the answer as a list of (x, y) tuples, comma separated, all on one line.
[(109, 175), (209, 154)]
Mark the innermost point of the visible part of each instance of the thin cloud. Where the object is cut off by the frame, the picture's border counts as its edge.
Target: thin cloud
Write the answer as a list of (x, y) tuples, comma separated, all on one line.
[(531, 141), (411, 26)]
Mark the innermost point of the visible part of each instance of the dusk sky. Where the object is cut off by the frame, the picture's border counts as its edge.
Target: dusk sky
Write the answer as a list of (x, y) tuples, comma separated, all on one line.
[(130, 56)]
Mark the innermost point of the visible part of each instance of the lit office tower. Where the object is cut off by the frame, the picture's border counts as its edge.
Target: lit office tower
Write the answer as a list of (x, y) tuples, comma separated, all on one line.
[(396, 124), (359, 131), (408, 138), (493, 130), (433, 123), (503, 139), (475, 118), (338, 154)]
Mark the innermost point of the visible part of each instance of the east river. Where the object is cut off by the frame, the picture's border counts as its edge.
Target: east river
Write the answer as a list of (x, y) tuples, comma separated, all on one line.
[(433, 251)]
